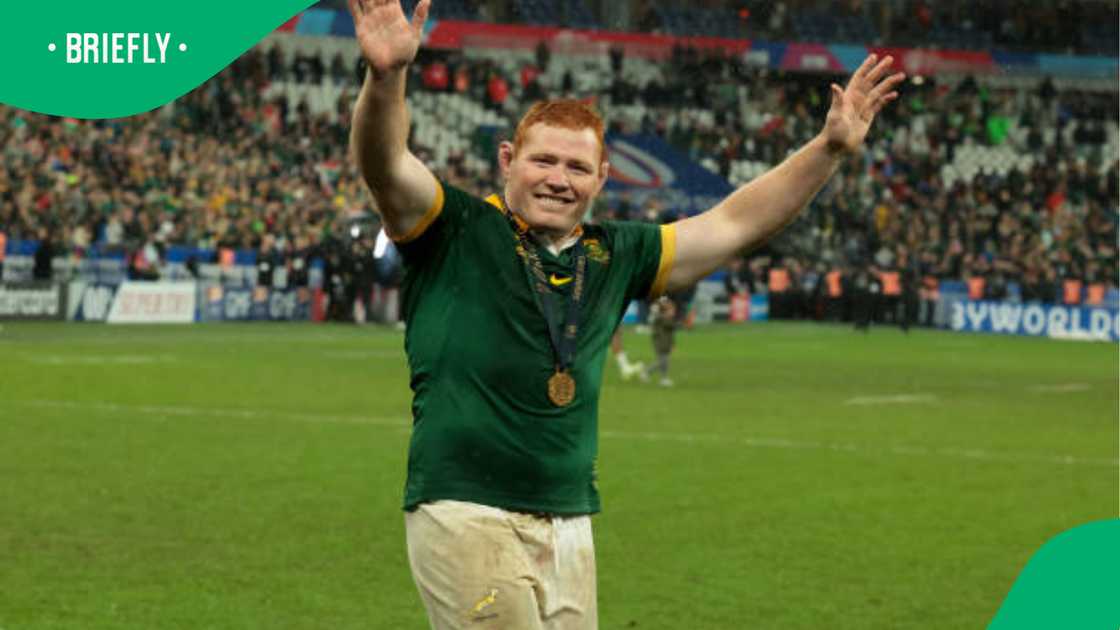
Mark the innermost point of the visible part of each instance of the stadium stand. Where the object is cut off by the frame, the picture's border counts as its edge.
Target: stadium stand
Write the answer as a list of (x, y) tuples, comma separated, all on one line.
[(1002, 178), (1086, 27)]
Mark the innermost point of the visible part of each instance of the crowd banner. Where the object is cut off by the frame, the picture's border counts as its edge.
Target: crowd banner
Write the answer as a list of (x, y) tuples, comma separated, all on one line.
[(777, 55), (29, 301), (153, 303), (1080, 323)]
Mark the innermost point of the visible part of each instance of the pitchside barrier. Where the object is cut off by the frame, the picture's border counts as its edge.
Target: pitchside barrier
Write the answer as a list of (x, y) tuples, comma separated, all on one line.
[(1080, 323), (953, 311), (958, 313), (183, 302), (99, 291), (710, 303), (32, 301)]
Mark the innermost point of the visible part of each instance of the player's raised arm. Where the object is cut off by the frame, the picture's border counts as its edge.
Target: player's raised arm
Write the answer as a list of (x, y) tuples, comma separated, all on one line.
[(760, 209), (403, 187)]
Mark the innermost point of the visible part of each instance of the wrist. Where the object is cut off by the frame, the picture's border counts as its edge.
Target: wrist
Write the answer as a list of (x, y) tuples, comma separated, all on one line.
[(394, 73), (837, 152)]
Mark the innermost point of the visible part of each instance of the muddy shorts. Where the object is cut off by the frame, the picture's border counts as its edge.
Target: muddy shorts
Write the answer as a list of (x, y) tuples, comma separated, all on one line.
[(483, 567)]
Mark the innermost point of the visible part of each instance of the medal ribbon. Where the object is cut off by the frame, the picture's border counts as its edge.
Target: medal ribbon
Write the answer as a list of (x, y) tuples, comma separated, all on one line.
[(562, 335)]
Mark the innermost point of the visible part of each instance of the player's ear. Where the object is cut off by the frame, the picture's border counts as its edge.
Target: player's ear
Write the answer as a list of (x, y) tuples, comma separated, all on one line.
[(505, 157), (604, 174)]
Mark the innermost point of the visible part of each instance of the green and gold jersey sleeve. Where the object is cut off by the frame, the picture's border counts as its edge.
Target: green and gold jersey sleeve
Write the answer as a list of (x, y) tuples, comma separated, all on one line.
[(429, 238), (646, 249), (426, 221)]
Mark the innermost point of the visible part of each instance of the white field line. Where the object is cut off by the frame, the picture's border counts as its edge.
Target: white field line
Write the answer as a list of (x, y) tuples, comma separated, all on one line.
[(365, 355), (866, 449), (1063, 388), (895, 399), (171, 336), (687, 438), (121, 359), (214, 412)]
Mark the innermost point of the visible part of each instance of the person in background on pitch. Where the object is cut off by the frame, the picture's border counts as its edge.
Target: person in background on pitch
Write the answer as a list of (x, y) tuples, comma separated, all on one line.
[(663, 320), (866, 296), (626, 368), (510, 304)]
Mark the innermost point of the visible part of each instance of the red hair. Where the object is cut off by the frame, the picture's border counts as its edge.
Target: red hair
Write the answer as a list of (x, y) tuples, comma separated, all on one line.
[(566, 113)]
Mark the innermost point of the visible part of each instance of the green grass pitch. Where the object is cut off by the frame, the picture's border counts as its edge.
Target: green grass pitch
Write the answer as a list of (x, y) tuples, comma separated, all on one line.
[(797, 476)]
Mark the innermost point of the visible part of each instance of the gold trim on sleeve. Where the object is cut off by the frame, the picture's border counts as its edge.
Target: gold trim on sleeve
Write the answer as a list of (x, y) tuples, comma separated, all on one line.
[(425, 221), (668, 255)]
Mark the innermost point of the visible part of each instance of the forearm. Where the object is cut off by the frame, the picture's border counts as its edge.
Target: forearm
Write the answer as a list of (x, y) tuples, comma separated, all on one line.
[(379, 129), (403, 188), (762, 208), (752, 214)]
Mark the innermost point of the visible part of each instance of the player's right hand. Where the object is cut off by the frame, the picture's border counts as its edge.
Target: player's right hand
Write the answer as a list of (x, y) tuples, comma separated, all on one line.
[(388, 41)]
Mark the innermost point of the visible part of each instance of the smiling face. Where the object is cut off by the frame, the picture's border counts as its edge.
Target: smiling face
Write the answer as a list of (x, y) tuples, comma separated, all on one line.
[(553, 176)]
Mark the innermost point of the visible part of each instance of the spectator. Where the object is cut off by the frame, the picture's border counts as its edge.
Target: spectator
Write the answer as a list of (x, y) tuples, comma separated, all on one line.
[(44, 256)]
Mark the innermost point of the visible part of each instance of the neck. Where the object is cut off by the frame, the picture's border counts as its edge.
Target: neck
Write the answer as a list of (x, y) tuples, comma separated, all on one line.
[(553, 238), (555, 241)]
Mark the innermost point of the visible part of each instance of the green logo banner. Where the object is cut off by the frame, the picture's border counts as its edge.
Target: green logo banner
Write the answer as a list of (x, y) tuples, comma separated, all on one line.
[(113, 59), (1072, 582)]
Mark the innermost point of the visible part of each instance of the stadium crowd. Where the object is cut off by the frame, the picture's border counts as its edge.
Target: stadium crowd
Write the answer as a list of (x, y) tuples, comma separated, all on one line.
[(1038, 225), (223, 167), (1035, 226), (227, 167)]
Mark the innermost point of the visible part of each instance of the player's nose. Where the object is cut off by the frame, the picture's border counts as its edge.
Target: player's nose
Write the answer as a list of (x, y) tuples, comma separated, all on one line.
[(556, 181)]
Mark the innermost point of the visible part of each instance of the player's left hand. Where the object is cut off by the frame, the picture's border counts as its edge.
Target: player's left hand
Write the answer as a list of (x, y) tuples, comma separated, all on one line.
[(854, 107)]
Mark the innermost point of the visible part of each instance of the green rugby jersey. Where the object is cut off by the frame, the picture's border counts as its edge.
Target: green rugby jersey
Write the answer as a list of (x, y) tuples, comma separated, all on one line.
[(484, 429)]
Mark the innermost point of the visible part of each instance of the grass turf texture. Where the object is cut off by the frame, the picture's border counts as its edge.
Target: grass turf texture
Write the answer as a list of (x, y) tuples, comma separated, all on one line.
[(250, 476)]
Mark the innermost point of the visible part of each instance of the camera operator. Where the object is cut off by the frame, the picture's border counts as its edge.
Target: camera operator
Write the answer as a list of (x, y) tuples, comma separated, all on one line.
[(336, 274), (359, 290)]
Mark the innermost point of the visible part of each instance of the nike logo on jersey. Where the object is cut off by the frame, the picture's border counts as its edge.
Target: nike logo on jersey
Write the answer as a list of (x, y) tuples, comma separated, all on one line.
[(557, 281)]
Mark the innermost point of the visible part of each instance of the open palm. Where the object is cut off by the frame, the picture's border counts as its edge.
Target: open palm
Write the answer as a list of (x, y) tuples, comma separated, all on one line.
[(388, 40), (854, 107)]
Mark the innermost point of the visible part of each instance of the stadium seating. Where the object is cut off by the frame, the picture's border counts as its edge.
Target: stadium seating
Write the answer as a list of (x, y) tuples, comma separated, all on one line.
[(737, 141), (820, 26), (701, 22)]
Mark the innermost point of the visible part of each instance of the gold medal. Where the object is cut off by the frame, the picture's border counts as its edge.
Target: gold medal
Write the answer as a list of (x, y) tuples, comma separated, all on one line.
[(561, 389)]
